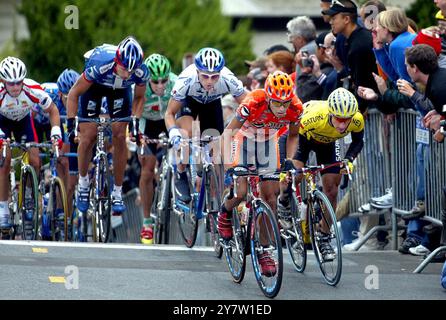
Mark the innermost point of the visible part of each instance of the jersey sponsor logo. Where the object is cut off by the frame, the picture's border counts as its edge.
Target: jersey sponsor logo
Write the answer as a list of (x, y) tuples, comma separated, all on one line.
[(90, 114), (155, 108), (244, 112), (307, 122), (356, 122), (105, 68), (118, 103), (91, 105), (139, 73)]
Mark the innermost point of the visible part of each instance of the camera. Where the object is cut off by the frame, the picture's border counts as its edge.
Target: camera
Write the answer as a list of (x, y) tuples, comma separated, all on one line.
[(306, 60)]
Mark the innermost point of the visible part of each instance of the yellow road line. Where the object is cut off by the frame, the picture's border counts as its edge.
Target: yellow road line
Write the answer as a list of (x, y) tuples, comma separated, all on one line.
[(57, 279), (40, 250)]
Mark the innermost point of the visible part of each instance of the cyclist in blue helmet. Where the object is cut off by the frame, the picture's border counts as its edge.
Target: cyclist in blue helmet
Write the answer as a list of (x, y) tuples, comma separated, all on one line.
[(197, 93), (66, 80), (110, 71)]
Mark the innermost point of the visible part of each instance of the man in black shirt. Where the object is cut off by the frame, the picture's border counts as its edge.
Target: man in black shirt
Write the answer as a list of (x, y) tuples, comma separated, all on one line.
[(361, 62)]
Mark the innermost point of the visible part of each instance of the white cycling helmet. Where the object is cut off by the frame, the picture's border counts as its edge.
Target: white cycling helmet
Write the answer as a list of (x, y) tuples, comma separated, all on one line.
[(12, 69)]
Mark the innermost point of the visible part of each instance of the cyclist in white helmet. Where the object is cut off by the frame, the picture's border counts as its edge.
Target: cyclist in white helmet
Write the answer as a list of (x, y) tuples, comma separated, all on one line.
[(18, 96), (197, 93)]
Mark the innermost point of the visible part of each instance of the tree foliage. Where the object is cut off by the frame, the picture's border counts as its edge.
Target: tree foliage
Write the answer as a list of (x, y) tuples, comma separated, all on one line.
[(423, 13), (171, 27)]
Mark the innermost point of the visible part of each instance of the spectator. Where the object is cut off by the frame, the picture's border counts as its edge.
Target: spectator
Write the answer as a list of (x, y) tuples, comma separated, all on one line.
[(391, 31), (275, 48), (360, 59), (325, 5), (280, 60), (257, 73), (257, 63)]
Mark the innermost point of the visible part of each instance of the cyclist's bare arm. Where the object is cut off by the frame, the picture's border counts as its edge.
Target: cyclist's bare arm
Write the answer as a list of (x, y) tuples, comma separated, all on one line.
[(54, 115), (138, 101), (292, 141), (79, 88), (239, 99), (172, 109)]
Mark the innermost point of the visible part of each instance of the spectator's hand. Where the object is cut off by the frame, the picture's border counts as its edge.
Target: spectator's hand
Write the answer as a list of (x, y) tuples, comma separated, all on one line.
[(405, 88), (367, 94), (381, 83), (432, 120), (316, 66), (376, 44), (389, 118), (334, 60), (298, 59), (439, 136)]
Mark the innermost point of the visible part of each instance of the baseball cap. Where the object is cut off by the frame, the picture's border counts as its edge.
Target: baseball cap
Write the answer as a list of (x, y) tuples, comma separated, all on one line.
[(320, 39), (431, 39), (439, 16), (338, 7)]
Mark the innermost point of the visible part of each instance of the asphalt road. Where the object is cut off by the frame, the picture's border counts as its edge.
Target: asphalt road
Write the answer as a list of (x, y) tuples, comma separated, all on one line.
[(43, 270)]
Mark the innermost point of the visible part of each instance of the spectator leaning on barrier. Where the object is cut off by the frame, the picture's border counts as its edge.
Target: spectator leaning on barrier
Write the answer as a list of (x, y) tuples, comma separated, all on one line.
[(360, 59), (391, 31)]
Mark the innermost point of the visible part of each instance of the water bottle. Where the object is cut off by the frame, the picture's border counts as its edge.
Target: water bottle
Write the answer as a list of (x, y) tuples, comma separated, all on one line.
[(45, 218), (303, 211)]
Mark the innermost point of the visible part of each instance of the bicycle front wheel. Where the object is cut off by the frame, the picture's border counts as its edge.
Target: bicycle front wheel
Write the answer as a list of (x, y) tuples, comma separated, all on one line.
[(213, 206), (266, 250), (235, 249), (103, 188), (161, 207), (29, 203), (295, 238), (326, 247), (187, 218), (57, 210)]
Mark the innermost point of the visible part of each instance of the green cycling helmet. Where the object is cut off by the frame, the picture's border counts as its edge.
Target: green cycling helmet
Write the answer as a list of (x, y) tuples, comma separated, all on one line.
[(158, 66)]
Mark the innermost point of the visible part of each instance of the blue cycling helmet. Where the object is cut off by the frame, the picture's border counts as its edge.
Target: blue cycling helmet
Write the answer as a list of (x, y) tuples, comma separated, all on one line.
[(209, 60), (66, 80), (129, 54)]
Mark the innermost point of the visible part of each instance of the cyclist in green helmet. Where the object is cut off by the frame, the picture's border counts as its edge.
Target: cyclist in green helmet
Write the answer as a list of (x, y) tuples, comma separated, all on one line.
[(151, 124)]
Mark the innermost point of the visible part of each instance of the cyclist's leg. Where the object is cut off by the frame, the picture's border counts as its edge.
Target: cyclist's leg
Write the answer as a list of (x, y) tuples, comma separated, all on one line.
[(90, 104), (5, 125)]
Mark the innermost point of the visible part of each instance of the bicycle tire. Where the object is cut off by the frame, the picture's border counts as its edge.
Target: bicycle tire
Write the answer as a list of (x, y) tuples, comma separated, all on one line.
[(57, 188), (102, 221), (212, 207), (269, 285), (321, 199), (163, 210), (235, 249), (295, 242), (29, 175), (187, 221)]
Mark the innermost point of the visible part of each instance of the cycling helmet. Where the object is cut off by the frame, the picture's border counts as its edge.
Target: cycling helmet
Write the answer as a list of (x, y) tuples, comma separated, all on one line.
[(66, 80), (12, 70), (158, 65), (129, 54), (209, 60), (342, 103), (279, 86)]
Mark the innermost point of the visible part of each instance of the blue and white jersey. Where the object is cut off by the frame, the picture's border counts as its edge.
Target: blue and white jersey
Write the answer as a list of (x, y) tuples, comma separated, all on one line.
[(188, 85), (42, 117), (99, 68)]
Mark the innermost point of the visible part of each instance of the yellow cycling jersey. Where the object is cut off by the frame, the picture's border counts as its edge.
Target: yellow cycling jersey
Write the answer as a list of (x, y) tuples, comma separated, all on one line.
[(314, 123)]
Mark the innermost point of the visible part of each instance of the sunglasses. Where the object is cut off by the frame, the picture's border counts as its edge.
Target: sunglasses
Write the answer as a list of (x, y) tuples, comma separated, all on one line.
[(278, 104), (12, 84), (159, 81), (343, 120), (210, 76)]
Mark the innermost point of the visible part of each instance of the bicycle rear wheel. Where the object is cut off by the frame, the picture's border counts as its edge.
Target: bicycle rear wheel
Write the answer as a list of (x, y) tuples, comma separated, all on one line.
[(58, 200), (266, 249), (187, 219), (29, 203), (103, 188), (235, 249), (295, 240), (212, 207), (320, 208)]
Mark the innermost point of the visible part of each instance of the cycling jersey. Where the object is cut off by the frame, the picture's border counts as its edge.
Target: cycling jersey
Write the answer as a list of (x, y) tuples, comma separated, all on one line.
[(259, 121), (315, 123), (41, 117), (155, 106), (188, 85), (100, 66), (18, 108)]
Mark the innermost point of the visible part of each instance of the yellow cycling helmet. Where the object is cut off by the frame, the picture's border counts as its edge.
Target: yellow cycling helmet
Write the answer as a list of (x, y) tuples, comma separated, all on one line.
[(342, 103), (439, 16)]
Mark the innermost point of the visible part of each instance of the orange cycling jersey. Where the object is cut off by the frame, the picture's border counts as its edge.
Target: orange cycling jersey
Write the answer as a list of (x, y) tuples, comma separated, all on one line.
[(258, 119)]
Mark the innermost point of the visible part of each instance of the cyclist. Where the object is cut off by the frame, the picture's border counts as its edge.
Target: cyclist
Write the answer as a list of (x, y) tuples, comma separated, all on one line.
[(17, 98), (254, 133), (110, 71), (160, 85), (322, 124), (197, 93)]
